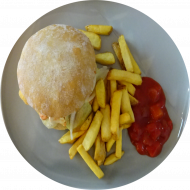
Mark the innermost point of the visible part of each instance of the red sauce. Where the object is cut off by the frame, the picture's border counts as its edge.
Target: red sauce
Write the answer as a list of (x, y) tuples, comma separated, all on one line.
[(152, 126)]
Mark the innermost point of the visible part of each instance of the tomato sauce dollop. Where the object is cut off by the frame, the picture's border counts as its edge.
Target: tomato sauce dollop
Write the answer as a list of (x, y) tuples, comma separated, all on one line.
[(152, 126)]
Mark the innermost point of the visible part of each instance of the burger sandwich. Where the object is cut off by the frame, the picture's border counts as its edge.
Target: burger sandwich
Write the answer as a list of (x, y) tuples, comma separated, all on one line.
[(57, 74)]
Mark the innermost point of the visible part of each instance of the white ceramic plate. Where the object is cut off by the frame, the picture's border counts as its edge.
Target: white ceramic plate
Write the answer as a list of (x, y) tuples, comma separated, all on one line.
[(157, 56)]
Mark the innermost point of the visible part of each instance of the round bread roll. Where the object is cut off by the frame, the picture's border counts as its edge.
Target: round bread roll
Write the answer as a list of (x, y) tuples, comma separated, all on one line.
[(57, 70)]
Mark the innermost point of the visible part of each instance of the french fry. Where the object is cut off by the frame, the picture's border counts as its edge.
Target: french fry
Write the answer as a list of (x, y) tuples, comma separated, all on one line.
[(22, 97), (105, 58), (118, 149), (133, 100), (72, 141), (95, 105), (120, 86), (97, 147), (94, 39), (109, 144), (117, 51), (100, 150), (100, 162), (125, 53), (66, 138), (101, 93), (126, 105), (105, 126), (90, 162), (113, 88), (99, 29), (131, 89), (93, 131), (115, 113), (124, 118), (125, 126), (121, 75), (105, 84), (111, 159), (87, 123), (73, 149), (134, 63)]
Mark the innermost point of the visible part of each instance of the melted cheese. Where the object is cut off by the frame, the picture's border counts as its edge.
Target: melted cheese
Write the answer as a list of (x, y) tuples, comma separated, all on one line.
[(51, 123)]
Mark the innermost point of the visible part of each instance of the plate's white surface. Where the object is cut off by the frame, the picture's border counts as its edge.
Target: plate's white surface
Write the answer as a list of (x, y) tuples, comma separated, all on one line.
[(157, 56)]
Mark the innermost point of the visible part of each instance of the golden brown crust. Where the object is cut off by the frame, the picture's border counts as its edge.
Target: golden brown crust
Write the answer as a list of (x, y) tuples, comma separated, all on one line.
[(56, 70)]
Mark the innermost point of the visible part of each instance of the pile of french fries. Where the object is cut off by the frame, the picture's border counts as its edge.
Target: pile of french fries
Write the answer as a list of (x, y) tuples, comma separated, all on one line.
[(93, 33), (112, 111)]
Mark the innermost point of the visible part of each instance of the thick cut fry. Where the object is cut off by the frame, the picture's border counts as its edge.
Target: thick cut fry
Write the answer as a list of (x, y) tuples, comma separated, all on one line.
[(120, 86), (135, 65), (97, 151), (128, 57), (99, 29), (73, 149), (125, 53), (87, 123), (124, 118), (93, 131), (121, 75), (105, 126), (94, 39), (72, 141), (105, 58), (111, 159), (95, 105), (113, 88), (131, 89), (117, 51), (22, 97), (109, 144), (115, 113), (101, 93), (133, 100), (100, 150), (100, 162), (118, 148), (125, 126), (105, 84), (90, 162), (66, 138), (126, 105)]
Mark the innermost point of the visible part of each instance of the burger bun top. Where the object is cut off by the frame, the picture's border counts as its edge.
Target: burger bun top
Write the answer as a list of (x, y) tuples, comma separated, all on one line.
[(57, 70)]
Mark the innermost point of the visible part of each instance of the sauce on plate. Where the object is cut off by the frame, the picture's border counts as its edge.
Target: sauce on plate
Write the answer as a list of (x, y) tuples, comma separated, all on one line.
[(152, 126)]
